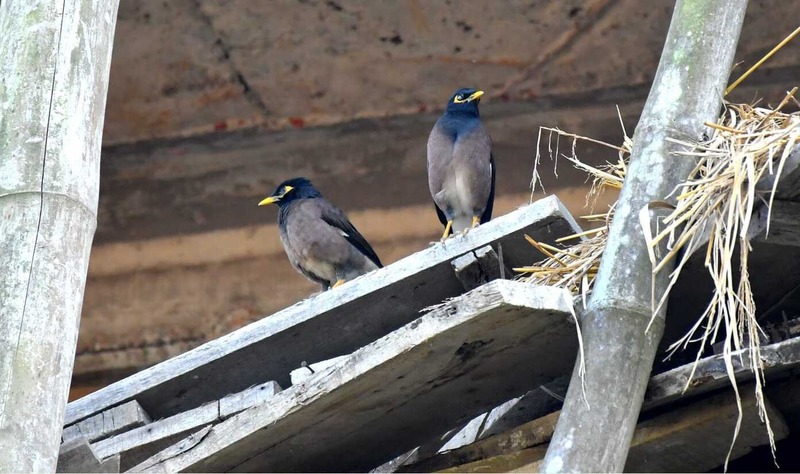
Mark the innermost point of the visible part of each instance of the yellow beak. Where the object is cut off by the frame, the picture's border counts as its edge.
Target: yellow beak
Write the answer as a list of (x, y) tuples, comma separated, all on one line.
[(475, 95), (269, 200)]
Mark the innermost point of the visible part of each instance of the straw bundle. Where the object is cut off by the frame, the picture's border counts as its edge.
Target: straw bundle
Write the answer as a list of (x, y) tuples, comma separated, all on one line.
[(749, 145)]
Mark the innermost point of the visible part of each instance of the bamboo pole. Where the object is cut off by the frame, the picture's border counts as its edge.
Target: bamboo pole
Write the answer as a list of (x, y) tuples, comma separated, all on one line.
[(54, 66), (594, 434)]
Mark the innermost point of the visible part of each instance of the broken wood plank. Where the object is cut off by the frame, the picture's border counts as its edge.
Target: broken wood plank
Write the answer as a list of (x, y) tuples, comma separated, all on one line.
[(138, 444), (184, 445), (108, 423), (272, 347), (384, 400), (307, 371), (233, 404), (711, 374), (77, 455), (479, 267), (535, 404), (515, 412), (528, 435)]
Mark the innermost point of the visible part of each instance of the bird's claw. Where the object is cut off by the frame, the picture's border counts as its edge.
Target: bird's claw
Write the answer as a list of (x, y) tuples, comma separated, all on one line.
[(339, 282)]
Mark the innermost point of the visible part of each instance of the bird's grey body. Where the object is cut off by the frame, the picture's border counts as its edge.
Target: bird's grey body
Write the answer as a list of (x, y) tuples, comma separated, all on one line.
[(317, 249), (461, 169)]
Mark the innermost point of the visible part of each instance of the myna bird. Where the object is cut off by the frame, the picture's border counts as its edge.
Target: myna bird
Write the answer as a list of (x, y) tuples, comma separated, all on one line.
[(461, 170), (319, 240)]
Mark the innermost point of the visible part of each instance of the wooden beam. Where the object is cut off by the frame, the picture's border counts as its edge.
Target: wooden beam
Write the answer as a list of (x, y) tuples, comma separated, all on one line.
[(54, 63), (135, 445), (529, 435), (77, 455), (711, 374), (663, 389), (272, 347), (784, 225), (108, 423), (694, 438), (458, 360)]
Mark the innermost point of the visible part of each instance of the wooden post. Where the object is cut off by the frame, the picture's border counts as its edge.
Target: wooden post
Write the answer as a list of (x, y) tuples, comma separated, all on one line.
[(54, 65), (594, 434)]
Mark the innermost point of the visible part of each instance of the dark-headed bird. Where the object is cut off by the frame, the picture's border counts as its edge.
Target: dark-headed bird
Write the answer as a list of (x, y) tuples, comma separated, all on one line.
[(461, 170), (319, 240)]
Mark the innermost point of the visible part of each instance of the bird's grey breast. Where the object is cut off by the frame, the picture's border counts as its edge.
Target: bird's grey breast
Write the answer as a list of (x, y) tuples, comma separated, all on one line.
[(459, 170)]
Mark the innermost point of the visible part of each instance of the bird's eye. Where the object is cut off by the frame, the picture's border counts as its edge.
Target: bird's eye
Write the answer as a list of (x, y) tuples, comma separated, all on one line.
[(459, 97)]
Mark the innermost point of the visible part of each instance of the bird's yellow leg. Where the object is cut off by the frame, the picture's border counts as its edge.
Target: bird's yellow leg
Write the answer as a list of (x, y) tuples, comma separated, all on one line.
[(475, 221), (338, 282), (447, 230)]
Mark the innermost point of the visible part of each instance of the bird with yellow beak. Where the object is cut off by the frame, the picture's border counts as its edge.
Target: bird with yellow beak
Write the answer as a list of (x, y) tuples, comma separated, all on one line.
[(319, 240)]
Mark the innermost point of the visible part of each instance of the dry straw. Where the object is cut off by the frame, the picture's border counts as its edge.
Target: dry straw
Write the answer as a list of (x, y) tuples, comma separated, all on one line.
[(714, 211)]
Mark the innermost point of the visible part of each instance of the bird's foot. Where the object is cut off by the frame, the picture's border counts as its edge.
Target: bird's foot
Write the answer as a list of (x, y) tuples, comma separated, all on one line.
[(476, 221), (339, 282), (447, 230)]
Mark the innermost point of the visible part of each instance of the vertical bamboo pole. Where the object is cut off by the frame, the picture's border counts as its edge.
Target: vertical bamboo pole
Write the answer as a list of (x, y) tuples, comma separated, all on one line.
[(687, 91), (54, 65)]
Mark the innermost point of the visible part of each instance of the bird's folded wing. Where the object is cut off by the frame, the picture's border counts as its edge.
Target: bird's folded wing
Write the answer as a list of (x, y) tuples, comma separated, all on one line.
[(336, 218)]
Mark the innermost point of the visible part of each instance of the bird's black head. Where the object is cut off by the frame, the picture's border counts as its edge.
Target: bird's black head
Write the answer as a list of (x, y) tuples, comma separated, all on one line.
[(465, 101), (290, 190)]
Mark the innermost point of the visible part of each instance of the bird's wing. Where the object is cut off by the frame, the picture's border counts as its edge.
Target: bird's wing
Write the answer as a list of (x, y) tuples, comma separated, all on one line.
[(336, 218), (487, 213)]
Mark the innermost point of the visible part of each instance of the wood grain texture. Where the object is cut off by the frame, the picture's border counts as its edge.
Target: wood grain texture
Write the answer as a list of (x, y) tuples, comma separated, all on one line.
[(54, 63), (77, 455), (115, 420), (458, 360), (135, 445), (272, 347)]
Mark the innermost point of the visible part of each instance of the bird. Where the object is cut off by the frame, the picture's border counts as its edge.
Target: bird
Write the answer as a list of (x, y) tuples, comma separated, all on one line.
[(461, 169), (317, 236)]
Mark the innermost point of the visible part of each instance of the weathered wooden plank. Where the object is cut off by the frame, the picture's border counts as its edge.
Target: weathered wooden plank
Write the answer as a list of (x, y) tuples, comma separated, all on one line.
[(233, 404), (115, 420), (711, 374), (458, 360), (479, 267), (663, 389), (77, 455), (784, 223), (531, 406), (693, 438), (302, 373), (182, 446), (272, 347), (140, 443), (696, 438), (528, 435), (142, 437)]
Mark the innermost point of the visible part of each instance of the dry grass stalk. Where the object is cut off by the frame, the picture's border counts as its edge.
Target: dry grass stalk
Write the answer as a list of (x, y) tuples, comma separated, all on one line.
[(714, 209), (574, 267)]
